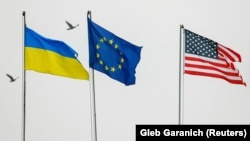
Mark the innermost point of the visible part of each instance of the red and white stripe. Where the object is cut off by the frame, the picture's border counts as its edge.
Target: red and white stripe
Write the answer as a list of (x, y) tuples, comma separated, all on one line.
[(222, 67)]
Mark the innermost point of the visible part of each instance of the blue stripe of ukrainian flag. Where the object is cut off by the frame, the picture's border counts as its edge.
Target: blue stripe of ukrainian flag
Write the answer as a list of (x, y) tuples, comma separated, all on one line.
[(51, 56)]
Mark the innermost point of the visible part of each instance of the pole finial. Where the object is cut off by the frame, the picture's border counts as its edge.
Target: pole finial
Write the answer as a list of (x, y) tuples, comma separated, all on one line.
[(89, 14), (181, 26), (24, 18)]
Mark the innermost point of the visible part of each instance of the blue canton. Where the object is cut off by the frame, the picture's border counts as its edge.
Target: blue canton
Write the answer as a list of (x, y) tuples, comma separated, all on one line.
[(199, 45)]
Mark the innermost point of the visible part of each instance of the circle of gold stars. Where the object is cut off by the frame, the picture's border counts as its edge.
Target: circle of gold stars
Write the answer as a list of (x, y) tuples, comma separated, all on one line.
[(108, 67)]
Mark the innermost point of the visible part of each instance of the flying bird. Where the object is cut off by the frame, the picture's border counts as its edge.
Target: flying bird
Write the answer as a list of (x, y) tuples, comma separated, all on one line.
[(71, 26), (12, 79)]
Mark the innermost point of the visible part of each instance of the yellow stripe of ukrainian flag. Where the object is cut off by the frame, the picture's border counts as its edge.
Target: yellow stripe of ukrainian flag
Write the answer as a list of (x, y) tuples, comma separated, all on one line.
[(46, 61)]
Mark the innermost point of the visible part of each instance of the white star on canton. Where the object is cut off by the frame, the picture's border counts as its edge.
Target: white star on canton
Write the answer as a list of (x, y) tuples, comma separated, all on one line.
[(196, 44)]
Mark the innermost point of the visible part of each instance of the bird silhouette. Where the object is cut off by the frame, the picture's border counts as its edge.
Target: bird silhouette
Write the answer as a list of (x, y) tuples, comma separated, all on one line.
[(71, 26), (12, 79)]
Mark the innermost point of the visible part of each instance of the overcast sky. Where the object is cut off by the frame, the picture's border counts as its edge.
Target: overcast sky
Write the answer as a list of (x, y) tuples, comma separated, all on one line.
[(58, 108)]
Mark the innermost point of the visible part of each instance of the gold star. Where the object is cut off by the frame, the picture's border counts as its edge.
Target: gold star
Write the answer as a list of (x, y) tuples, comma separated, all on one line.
[(97, 55), (116, 46), (113, 69), (100, 62), (106, 68), (97, 46), (103, 39), (120, 66), (111, 41), (122, 60)]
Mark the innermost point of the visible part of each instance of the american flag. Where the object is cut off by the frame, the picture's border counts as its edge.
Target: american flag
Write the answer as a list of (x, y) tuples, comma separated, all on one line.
[(205, 57)]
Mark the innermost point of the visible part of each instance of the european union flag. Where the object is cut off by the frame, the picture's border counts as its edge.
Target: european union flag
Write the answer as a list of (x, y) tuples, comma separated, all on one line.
[(112, 55)]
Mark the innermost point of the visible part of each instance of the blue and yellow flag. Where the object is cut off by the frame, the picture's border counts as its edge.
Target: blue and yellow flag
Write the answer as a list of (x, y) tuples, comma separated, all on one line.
[(51, 56), (112, 55)]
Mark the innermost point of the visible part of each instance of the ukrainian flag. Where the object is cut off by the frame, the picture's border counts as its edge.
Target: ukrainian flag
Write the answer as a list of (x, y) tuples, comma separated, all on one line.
[(51, 56)]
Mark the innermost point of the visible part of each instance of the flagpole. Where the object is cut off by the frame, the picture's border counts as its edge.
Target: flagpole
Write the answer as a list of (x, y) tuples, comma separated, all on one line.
[(24, 81), (181, 81), (92, 98)]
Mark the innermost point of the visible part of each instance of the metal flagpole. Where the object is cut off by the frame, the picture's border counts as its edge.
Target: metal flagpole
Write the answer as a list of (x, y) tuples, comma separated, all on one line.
[(92, 98), (181, 81), (24, 81)]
